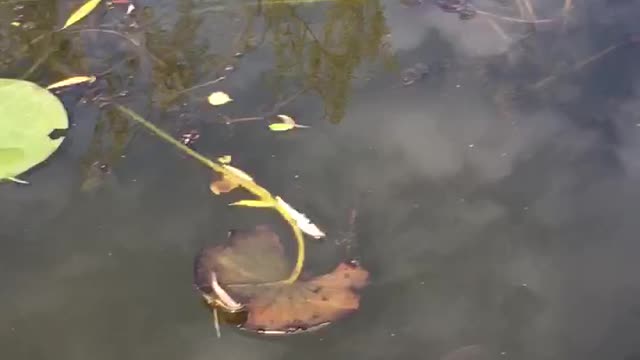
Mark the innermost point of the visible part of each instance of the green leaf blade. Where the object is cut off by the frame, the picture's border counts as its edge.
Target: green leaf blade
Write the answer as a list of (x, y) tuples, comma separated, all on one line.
[(81, 13)]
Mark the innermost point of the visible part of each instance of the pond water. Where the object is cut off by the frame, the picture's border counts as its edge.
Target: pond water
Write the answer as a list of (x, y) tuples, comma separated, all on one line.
[(492, 164)]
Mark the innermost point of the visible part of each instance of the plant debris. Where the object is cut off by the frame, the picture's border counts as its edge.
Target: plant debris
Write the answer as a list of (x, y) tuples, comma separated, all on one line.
[(250, 271), (287, 124), (301, 220)]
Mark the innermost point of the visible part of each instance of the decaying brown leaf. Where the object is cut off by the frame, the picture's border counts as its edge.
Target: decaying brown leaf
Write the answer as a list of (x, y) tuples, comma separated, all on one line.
[(305, 305), (227, 183), (222, 185), (251, 270)]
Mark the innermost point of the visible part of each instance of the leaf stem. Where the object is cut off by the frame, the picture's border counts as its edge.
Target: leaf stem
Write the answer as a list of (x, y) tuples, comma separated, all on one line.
[(247, 184)]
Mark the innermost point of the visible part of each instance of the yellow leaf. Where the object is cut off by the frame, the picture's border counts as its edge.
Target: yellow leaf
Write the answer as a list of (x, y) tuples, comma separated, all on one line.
[(226, 159), (286, 119), (16, 24), (253, 203), (219, 98), (83, 11), (281, 127), (72, 81)]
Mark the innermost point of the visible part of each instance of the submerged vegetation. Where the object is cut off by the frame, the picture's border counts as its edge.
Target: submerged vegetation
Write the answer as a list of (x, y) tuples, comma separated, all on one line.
[(275, 281), (250, 276)]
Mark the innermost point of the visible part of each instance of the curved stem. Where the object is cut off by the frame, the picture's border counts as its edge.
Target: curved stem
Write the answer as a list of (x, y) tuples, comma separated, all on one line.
[(297, 268), (516, 20), (243, 182)]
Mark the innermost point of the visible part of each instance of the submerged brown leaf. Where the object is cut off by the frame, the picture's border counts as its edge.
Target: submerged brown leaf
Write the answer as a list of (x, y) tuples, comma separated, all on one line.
[(304, 305), (251, 270)]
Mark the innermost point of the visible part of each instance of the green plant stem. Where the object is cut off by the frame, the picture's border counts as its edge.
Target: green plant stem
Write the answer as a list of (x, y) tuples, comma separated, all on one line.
[(37, 64), (225, 172), (168, 138)]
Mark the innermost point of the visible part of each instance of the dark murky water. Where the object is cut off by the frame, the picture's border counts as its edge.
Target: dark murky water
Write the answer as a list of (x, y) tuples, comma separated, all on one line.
[(494, 207)]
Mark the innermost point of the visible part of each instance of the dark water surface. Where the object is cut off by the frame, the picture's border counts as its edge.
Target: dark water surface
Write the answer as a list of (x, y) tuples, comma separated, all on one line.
[(493, 209)]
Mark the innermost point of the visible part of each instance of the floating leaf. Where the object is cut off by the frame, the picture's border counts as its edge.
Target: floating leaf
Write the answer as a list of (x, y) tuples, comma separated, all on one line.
[(28, 115), (82, 11), (72, 81), (219, 98), (251, 271), (281, 127), (253, 203), (287, 119), (287, 124), (226, 159), (301, 220)]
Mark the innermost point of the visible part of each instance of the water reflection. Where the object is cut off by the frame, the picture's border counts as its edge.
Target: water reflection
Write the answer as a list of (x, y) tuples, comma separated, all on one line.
[(173, 59)]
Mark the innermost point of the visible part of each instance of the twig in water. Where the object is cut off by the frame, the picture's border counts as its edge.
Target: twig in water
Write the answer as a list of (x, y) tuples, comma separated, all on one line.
[(568, 4), (216, 321), (494, 25), (520, 8), (516, 20), (577, 66), (37, 64), (105, 31), (229, 121), (527, 5), (200, 85), (274, 110)]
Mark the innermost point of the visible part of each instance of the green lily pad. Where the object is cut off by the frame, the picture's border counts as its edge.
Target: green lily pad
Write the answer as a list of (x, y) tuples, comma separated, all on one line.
[(28, 114)]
